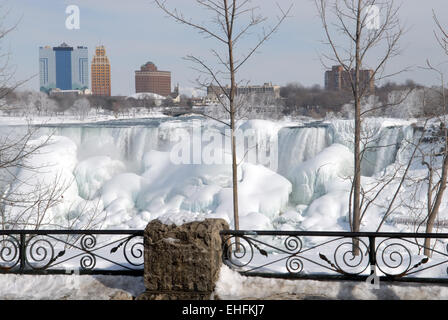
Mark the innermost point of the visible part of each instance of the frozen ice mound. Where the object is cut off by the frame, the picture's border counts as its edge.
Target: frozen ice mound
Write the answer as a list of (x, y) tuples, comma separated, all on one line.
[(311, 178), (255, 221), (208, 188), (92, 173), (264, 191)]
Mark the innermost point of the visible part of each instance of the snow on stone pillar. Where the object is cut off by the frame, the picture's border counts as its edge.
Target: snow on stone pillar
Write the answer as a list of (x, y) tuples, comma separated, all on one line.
[(182, 262)]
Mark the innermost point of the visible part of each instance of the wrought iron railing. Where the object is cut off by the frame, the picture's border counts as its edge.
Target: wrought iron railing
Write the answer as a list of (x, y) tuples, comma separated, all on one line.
[(111, 252), (338, 255), (280, 254)]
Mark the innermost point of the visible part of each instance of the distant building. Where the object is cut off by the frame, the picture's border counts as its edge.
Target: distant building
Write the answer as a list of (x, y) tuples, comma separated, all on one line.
[(63, 67), (339, 79), (149, 79), (101, 75), (175, 95), (266, 89), (68, 93), (198, 101)]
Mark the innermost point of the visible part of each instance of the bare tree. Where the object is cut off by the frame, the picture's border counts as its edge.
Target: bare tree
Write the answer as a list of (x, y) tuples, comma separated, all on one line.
[(231, 22), (429, 150), (81, 108), (435, 158), (15, 148), (27, 197), (355, 42)]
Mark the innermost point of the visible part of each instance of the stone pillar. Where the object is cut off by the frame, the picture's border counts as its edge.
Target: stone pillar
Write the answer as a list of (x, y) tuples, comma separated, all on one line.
[(182, 262)]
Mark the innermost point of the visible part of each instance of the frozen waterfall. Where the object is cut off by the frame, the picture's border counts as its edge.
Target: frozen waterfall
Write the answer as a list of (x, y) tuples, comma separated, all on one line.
[(127, 167)]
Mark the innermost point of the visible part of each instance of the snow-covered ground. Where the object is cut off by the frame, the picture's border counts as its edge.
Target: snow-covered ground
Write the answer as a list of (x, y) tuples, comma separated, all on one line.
[(92, 117), (69, 287), (233, 286), (230, 286)]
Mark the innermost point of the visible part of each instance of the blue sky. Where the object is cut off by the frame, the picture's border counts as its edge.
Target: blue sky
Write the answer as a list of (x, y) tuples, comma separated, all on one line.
[(136, 31)]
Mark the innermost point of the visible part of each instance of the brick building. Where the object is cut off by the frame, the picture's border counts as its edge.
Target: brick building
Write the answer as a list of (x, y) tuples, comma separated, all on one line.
[(101, 78), (149, 79), (339, 79)]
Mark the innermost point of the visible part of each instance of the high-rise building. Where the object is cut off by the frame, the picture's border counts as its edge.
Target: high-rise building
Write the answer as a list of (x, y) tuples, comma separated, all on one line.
[(339, 79), (149, 79), (101, 82), (64, 67)]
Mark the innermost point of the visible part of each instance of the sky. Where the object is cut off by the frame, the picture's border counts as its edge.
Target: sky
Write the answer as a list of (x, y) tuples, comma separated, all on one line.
[(137, 31)]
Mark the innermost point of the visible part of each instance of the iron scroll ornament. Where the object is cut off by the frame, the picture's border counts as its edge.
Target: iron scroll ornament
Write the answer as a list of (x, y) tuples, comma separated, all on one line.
[(9, 252)]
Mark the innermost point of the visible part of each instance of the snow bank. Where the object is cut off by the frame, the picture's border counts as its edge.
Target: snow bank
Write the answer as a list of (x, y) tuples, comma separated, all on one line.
[(69, 287), (233, 286)]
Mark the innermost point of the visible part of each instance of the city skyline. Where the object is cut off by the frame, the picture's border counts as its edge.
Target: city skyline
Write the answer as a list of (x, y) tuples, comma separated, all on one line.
[(145, 34)]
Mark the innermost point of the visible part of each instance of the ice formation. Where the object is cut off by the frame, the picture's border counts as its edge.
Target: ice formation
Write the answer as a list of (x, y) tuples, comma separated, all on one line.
[(125, 170)]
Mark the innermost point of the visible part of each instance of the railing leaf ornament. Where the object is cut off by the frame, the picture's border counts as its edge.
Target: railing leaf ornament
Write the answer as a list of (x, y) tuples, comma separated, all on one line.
[(262, 252), (59, 255), (336, 268), (115, 249), (422, 262)]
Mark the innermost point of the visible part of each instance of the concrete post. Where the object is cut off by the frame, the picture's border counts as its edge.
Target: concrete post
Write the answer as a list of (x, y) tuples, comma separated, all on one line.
[(182, 262)]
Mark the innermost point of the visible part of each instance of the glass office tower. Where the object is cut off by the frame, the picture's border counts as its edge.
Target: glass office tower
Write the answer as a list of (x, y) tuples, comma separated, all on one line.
[(63, 67)]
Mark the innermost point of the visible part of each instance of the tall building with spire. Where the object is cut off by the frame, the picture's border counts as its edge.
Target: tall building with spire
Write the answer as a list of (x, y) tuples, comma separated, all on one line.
[(63, 67), (101, 76)]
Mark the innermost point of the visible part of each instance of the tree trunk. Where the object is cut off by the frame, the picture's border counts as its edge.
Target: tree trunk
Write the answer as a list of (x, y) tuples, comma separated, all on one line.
[(229, 24), (357, 141), (357, 179), (438, 201), (234, 179)]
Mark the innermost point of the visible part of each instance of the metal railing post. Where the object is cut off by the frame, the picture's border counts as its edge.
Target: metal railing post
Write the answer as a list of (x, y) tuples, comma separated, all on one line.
[(372, 253), (22, 252)]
